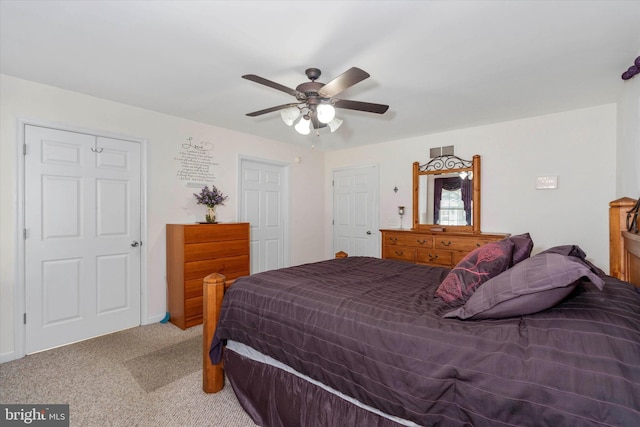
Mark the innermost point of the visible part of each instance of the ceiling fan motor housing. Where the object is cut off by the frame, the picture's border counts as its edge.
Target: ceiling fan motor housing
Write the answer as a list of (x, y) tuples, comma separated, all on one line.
[(310, 90)]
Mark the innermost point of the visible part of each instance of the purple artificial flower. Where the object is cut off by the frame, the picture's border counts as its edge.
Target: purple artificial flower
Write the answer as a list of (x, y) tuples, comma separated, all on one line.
[(210, 198)]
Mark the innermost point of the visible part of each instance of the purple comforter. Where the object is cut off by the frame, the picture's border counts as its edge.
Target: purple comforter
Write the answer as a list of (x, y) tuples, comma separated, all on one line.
[(372, 329)]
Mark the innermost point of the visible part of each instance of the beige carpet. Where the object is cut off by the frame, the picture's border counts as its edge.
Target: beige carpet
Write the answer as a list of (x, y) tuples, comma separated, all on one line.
[(105, 383), (161, 367)]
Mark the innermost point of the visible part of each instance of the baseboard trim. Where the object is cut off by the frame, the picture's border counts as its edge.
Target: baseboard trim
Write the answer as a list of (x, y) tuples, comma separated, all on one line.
[(154, 319), (8, 356)]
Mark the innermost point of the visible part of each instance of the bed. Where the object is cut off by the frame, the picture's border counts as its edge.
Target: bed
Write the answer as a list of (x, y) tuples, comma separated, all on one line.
[(363, 341)]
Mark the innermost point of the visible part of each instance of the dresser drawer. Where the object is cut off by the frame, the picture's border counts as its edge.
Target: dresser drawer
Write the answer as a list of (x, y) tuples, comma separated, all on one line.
[(198, 233), (455, 243), (403, 253), (195, 273), (226, 266), (193, 311), (201, 251), (435, 256), (409, 239)]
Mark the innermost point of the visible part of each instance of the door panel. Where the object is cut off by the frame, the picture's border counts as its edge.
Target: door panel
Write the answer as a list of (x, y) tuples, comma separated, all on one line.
[(61, 290), (82, 212), (61, 199), (112, 283), (112, 197)]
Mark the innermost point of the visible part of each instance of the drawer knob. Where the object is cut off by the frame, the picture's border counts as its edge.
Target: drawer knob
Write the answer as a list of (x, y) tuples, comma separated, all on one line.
[(422, 242), (433, 256), (393, 239), (478, 244), (399, 252), (445, 243)]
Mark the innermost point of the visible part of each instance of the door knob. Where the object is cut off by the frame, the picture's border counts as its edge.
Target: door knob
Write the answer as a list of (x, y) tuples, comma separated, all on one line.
[(368, 232), (135, 243)]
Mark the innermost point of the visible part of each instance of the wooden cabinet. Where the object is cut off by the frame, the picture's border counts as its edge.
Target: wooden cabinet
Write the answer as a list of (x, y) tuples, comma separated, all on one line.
[(442, 249), (195, 251)]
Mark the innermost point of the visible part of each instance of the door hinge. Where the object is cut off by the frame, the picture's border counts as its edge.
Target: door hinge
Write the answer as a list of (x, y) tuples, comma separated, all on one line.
[(333, 222), (24, 233), (24, 149), (24, 318)]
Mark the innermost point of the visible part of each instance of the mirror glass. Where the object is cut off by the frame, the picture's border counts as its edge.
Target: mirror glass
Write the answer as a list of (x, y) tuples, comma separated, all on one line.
[(454, 193), (447, 194)]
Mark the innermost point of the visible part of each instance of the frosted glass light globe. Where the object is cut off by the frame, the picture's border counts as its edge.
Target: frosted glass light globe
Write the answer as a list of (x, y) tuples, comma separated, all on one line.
[(303, 127), (326, 113)]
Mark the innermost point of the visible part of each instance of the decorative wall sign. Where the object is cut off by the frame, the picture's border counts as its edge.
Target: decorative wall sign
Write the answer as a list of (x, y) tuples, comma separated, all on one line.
[(195, 162)]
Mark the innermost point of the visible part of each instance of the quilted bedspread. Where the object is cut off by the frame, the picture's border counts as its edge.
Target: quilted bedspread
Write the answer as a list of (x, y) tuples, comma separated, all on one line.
[(372, 329)]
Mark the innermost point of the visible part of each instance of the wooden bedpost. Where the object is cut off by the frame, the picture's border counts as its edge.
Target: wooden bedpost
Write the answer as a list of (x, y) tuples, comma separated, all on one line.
[(341, 254), (213, 291), (617, 224)]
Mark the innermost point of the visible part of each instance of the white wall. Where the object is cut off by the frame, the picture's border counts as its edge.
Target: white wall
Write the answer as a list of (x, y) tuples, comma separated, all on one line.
[(169, 201), (628, 160), (578, 146)]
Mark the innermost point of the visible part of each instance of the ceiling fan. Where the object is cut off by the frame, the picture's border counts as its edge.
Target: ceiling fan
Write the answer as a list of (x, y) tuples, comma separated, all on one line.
[(316, 102)]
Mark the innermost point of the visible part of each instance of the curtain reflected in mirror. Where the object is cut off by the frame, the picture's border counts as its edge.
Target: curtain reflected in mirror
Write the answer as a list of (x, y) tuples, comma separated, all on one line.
[(452, 201)]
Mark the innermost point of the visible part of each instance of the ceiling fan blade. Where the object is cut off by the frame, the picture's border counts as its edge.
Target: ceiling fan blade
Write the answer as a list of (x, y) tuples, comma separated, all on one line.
[(361, 106), (343, 82), (271, 84), (270, 110)]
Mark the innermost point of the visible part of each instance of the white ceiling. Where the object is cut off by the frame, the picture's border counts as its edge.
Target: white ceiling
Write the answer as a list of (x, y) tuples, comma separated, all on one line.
[(440, 65)]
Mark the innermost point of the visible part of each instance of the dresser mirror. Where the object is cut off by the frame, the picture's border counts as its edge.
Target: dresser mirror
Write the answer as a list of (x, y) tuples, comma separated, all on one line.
[(446, 194)]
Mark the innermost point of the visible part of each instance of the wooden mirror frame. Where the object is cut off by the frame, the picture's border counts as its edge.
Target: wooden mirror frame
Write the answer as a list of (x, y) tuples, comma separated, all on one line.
[(441, 165)]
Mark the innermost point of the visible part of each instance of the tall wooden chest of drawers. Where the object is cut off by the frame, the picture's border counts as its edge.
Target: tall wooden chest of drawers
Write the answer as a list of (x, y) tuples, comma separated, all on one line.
[(441, 249), (195, 251)]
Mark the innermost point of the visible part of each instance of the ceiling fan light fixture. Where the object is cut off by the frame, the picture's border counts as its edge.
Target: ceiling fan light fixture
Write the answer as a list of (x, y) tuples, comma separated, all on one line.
[(326, 112), (335, 124), (303, 126), (289, 115), (316, 102)]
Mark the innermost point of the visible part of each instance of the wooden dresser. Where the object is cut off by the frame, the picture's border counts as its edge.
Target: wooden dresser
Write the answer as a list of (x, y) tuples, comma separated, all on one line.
[(437, 248), (195, 251)]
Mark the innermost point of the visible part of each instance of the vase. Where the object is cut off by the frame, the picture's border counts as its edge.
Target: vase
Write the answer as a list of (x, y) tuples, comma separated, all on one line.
[(211, 214)]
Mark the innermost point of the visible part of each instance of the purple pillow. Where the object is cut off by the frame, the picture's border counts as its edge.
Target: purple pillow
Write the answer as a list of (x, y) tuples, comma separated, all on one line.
[(574, 251), (523, 244), (533, 285), (474, 269)]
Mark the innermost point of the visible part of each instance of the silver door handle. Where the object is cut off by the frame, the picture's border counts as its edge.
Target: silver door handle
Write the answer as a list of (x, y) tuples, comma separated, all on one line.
[(136, 243)]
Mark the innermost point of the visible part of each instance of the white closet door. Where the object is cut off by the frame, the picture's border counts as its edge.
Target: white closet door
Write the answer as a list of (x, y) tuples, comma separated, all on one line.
[(82, 243)]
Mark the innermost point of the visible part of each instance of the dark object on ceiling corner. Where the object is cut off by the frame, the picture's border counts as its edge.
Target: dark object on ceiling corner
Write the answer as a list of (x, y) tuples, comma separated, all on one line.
[(633, 70)]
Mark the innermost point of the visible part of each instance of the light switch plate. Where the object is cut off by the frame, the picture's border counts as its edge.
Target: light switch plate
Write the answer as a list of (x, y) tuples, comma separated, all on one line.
[(549, 182)]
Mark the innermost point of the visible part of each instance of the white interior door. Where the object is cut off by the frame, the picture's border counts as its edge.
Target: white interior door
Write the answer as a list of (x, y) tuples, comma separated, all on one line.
[(82, 236), (355, 211), (264, 204)]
